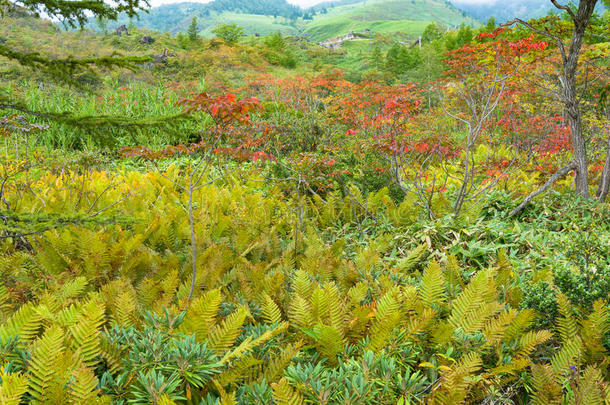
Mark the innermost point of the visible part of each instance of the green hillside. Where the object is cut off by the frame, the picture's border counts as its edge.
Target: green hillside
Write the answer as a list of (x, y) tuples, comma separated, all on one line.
[(385, 16), (408, 17)]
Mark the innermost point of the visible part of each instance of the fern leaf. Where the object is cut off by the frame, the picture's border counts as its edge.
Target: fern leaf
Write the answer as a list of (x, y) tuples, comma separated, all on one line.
[(271, 312), (223, 336), (590, 387), (452, 273), (495, 329), (566, 323), (546, 390), (201, 315), (25, 322), (387, 317), (84, 386), (41, 374), (455, 383), (249, 343), (521, 322), (413, 259), (12, 389), (432, 286), (302, 285), (300, 313), (239, 370), (329, 341), (85, 333), (530, 340), (284, 394), (277, 364), (566, 355), (124, 308)]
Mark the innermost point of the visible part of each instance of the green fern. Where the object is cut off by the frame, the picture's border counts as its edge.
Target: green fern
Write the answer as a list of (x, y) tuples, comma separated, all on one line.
[(12, 389), (271, 312), (432, 286), (40, 368), (387, 317), (529, 341), (284, 394), (546, 390), (201, 314), (567, 355), (277, 364), (83, 387), (413, 259), (222, 336), (25, 322), (567, 325), (85, 333)]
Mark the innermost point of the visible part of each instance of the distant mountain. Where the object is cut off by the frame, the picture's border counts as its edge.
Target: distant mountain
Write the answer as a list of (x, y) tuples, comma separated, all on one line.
[(387, 16), (504, 10), (177, 17), (323, 21)]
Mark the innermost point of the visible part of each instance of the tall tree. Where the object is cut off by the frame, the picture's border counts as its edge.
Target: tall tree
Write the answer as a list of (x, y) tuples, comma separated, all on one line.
[(580, 17), (193, 30)]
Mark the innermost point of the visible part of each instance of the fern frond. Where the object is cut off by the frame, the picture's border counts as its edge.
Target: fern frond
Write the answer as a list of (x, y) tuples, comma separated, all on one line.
[(529, 341), (413, 259), (84, 386), (387, 317), (432, 286), (594, 328), (357, 293), (201, 314), (521, 322), (328, 341), (239, 370), (300, 313), (73, 288), (13, 387), (495, 329), (4, 301), (124, 308), (546, 390), (85, 333), (284, 394), (566, 323), (336, 309), (271, 312), (566, 356), (277, 364), (41, 373), (452, 272), (25, 322), (249, 343), (455, 383), (302, 285), (465, 309), (223, 336), (590, 389), (112, 355)]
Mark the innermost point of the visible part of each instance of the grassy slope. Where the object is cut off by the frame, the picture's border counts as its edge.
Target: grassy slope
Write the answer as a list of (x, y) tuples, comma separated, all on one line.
[(385, 16), (251, 23)]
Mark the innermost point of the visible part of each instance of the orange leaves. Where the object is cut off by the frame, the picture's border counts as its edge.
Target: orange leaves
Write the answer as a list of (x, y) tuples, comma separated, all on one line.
[(225, 109), (492, 34)]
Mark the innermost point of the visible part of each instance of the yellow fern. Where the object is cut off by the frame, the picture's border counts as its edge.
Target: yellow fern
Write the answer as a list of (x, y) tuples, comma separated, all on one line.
[(284, 394)]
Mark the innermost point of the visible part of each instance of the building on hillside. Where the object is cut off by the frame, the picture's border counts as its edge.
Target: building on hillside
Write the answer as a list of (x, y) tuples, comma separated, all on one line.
[(335, 43)]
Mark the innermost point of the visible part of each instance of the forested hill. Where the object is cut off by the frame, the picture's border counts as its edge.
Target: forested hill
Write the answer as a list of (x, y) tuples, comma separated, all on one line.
[(176, 17), (326, 20)]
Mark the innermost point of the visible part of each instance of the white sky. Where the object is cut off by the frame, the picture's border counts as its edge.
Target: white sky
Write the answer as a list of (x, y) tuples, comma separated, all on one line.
[(308, 3)]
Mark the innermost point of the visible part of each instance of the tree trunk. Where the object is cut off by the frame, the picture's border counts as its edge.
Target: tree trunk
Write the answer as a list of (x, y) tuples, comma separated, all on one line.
[(604, 181), (570, 66)]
